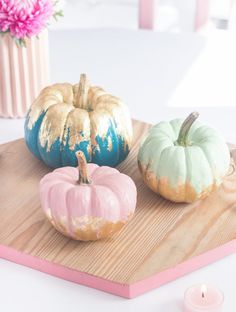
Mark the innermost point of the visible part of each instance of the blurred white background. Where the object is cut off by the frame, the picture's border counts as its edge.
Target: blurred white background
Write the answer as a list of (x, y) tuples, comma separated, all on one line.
[(169, 15), (214, 67)]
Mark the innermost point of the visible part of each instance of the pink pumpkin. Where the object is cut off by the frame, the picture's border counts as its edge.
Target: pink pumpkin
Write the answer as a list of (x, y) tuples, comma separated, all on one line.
[(87, 203)]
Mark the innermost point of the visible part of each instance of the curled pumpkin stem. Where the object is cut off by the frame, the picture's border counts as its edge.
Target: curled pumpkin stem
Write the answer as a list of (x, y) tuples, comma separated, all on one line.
[(82, 167), (184, 130)]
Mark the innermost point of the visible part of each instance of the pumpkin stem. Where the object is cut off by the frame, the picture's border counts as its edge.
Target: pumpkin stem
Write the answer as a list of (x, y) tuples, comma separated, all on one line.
[(82, 95), (184, 130), (82, 167)]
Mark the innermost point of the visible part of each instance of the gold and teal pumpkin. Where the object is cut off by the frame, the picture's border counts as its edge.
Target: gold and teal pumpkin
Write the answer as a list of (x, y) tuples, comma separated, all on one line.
[(67, 118), (183, 160)]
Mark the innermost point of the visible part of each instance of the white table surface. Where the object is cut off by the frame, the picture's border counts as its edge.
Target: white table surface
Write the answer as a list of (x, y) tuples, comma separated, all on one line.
[(159, 76)]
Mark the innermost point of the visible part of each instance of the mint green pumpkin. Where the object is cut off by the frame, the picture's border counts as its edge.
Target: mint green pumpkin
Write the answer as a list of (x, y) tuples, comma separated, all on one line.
[(183, 160)]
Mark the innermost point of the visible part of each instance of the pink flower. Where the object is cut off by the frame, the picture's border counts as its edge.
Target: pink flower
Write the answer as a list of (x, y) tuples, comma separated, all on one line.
[(24, 17)]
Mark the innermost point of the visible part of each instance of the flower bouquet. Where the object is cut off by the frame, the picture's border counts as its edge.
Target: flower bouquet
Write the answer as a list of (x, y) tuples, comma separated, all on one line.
[(24, 66)]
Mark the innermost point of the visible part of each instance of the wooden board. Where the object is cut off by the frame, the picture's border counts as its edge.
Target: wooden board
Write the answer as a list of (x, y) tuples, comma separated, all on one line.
[(163, 241)]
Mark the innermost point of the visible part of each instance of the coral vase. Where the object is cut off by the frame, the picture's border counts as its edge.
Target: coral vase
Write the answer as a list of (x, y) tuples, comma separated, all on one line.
[(24, 71)]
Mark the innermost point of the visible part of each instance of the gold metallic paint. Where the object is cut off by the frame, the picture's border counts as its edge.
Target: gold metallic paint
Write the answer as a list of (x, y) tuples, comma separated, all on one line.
[(183, 192), (88, 228), (62, 113)]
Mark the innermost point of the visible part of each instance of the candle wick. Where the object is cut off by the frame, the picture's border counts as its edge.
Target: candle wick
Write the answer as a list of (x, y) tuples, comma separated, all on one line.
[(203, 291)]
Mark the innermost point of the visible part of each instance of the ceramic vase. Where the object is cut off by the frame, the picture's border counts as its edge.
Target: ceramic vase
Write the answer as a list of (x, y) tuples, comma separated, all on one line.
[(24, 71)]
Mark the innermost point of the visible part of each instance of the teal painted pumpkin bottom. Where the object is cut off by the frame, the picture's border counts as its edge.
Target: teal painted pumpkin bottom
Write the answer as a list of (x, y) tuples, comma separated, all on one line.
[(110, 150)]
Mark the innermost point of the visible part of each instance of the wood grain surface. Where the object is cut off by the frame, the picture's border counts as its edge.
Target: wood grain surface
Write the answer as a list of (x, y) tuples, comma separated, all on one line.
[(160, 235)]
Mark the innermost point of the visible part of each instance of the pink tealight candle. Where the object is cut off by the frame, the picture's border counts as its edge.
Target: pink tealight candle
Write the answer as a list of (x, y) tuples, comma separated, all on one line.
[(200, 298)]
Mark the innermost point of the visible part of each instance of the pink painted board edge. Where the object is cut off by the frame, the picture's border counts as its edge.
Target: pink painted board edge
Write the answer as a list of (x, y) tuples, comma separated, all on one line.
[(182, 269), (122, 290), (63, 272)]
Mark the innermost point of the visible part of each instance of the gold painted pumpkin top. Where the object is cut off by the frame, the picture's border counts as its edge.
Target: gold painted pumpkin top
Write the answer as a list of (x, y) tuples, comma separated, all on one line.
[(80, 108)]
